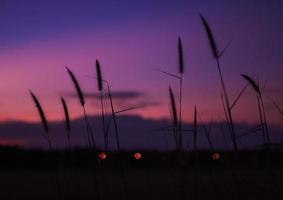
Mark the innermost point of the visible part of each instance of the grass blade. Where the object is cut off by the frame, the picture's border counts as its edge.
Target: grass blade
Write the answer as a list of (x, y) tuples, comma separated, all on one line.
[(67, 120)]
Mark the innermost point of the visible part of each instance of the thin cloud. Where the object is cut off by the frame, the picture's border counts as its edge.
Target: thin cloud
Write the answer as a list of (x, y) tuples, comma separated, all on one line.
[(119, 95)]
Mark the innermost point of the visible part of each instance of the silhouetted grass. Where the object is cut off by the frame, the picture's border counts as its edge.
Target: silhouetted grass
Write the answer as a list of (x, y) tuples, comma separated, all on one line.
[(100, 88), (181, 71), (82, 102), (67, 121), (174, 118), (227, 106), (262, 114), (43, 119)]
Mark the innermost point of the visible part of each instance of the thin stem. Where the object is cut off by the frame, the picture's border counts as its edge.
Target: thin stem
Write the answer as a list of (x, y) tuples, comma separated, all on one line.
[(114, 119), (265, 121), (103, 123), (206, 131), (239, 96), (261, 120), (89, 131), (195, 129), (123, 172), (227, 104), (180, 112)]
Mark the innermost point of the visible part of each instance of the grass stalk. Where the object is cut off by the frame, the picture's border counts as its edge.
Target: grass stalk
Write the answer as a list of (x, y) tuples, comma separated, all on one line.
[(173, 111), (43, 119), (80, 95), (227, 107), (255, 86), (181, 71), (100, 89), (67, 121)]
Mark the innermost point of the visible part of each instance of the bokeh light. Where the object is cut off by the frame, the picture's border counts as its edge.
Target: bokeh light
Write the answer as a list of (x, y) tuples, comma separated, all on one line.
[(137, 156), (216, 156), (102, 156)]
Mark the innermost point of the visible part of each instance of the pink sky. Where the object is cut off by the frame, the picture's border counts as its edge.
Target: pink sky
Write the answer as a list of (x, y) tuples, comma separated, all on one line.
[(131, 52)]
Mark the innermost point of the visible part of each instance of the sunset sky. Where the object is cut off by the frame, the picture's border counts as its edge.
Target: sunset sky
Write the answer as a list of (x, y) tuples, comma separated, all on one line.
[(132, 40)]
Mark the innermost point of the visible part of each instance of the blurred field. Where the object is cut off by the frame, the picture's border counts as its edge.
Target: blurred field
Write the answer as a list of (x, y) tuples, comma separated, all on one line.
[(36, 174), (149, 183), (142, 183)]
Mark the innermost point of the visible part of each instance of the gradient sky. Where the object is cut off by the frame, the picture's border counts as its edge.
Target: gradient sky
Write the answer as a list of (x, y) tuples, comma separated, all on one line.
[(132, 39)]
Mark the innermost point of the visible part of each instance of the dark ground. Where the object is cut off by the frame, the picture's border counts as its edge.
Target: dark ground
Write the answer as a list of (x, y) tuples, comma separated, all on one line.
[(61, 175)]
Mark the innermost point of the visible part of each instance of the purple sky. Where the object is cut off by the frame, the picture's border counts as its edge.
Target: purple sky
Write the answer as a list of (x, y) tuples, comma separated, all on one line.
[(132, 39)]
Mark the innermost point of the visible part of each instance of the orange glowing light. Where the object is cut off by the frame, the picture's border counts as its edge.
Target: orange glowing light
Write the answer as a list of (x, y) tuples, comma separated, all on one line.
[(137, 156), (216, 156), (102, 156)]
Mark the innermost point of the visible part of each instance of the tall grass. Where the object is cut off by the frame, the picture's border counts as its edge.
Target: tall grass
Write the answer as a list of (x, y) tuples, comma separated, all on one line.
[(181, 71), (113, 113), (181, 68), (42, 118), (44, 123), (80, 96), (90, 136), (262, 114), (122, 166), (100, 89), (227, 106)]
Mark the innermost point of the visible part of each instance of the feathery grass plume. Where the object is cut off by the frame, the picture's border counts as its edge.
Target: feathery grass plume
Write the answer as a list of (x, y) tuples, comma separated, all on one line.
[(90, 136), (100, 88), (80, 95), (122, 167), (113, 112), (99, 77), (262, 115), (67, 120), (77, 86), (252, 83), (42, 118), (180, 78), (180, 56), (259, 99), (226, 103), (210, 37)]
